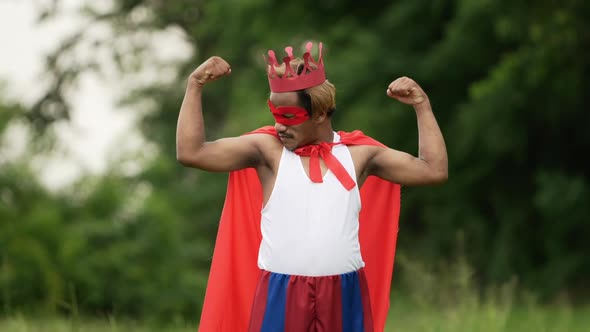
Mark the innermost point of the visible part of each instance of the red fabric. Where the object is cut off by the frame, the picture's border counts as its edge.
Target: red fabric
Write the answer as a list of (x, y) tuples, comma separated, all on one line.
[(299, 114), (299, 307), (311, 298), (367, 310), (324, 151), (259, 306), (328, 292), (234, 272)]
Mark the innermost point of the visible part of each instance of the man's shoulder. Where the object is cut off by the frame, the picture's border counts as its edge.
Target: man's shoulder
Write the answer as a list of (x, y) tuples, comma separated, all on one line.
[(265, 135), (266, 130), (357, 137), (267, 141)]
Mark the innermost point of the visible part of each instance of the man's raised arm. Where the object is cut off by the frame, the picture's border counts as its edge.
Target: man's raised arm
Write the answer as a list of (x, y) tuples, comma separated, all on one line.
[(223, 155), (431, 165)]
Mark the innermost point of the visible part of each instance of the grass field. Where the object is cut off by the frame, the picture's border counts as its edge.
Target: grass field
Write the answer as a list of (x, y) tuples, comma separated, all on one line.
[(436, 299), (402, 319)]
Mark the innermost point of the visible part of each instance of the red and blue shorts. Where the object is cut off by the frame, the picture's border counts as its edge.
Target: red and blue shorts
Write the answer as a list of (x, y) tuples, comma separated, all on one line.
[(289, 303)]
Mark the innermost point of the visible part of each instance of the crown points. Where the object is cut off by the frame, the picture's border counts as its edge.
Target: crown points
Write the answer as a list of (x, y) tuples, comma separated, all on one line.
[(306, 58), (313, 71), (272, 57)]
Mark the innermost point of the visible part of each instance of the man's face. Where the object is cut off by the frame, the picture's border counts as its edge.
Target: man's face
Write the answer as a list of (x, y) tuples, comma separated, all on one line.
[(292, 136)]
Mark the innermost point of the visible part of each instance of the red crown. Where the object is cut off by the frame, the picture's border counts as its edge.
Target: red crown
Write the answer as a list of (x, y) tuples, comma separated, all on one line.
[(290, 80)]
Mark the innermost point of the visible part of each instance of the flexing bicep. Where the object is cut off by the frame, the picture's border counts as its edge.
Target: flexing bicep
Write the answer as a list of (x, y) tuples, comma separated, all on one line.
[(403, 168), (226, 154)]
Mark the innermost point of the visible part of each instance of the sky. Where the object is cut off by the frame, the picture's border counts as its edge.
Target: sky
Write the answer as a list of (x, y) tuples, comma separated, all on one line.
[(99, 127)]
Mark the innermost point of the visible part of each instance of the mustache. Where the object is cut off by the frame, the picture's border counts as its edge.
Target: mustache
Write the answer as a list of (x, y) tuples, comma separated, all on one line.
[(284, 135)]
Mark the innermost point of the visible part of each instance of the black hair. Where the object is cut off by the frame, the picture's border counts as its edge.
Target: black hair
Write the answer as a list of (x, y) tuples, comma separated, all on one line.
[(305, 100)]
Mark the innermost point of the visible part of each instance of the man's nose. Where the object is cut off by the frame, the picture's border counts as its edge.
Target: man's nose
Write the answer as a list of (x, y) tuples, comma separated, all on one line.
[(280, 127)]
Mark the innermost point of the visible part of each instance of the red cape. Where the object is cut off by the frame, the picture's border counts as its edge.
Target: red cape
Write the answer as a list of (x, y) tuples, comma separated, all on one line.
[(234, 271)]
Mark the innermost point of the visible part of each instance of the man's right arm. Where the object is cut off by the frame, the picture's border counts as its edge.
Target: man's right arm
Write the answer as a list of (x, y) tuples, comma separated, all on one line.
[(222, 155)]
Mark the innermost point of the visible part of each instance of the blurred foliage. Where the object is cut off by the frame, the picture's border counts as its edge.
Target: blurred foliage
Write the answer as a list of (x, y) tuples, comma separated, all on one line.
[(506, 80)]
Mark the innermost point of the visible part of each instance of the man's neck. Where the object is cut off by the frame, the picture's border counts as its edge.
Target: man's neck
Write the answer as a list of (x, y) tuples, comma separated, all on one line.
[(326, 135)]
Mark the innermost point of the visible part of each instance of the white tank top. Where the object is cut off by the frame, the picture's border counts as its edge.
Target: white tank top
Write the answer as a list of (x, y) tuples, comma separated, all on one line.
[(311, 229)]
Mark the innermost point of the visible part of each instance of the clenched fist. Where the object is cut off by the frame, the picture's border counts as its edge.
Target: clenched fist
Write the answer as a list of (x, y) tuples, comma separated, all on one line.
[(407, 91), (210, 70)]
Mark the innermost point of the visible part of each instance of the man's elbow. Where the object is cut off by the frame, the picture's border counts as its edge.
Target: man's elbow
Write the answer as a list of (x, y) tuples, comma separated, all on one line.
[(182, 160), (439, 177), (185, 159)]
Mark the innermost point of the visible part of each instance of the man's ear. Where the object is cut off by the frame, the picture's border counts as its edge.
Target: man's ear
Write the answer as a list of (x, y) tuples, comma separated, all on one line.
[(320, 117)]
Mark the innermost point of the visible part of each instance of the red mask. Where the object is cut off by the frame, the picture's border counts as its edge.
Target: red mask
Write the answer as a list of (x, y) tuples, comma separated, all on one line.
[(288, 115)]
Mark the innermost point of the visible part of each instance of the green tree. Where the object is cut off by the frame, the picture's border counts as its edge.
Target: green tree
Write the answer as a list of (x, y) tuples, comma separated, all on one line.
[(507, 82)]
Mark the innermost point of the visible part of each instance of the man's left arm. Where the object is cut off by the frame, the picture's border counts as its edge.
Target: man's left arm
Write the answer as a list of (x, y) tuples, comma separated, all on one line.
[(431, 165)]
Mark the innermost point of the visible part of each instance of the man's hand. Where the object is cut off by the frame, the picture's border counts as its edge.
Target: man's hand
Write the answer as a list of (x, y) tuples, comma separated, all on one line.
[(407, 91), (210, 70)]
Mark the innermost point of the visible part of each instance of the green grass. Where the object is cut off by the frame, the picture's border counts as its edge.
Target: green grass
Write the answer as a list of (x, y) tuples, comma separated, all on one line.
[(403, 318), (55, 324), (489, 318)]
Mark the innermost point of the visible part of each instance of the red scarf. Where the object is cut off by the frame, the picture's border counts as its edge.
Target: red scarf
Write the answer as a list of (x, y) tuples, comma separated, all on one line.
[(324, 151), (234, 272)]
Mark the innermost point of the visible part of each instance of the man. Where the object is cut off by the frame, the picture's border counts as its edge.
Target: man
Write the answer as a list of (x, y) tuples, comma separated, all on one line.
[(302, 224)]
